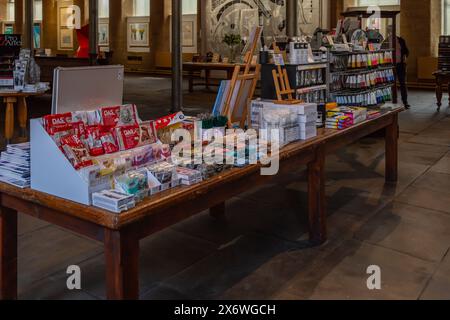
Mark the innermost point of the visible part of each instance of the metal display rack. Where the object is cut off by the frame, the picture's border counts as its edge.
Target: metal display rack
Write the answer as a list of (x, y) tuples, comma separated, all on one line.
[(343, 70)]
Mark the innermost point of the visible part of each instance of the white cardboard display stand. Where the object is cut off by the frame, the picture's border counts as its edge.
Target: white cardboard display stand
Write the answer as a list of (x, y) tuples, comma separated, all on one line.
[(51, 172)]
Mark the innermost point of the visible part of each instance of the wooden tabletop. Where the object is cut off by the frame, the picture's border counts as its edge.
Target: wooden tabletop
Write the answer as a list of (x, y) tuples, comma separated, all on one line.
[(156, 204), (17, 94)]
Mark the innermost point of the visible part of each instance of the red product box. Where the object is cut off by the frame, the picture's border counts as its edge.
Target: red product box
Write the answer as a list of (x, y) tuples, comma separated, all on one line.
[(128, 137), (55, 123), (110, 116)]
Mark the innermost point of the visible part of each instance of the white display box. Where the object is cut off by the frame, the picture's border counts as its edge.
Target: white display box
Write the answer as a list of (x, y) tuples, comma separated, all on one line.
[(52, 173)]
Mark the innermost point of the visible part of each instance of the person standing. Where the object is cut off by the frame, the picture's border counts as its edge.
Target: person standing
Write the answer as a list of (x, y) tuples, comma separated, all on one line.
[(402, 53)]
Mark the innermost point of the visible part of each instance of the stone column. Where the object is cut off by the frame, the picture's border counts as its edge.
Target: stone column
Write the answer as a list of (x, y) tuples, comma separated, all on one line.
[(177, 59), (27, 32), (292, 18), (18, 16), (50, 25), (93, 30), (416, 20), (117, 31)]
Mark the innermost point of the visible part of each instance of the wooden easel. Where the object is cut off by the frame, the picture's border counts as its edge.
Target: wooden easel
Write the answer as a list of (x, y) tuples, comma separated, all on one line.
[(243, 85), (282, 84)]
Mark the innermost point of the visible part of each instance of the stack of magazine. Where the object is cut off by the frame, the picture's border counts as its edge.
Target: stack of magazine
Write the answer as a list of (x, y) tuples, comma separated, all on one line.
[(15, 165)]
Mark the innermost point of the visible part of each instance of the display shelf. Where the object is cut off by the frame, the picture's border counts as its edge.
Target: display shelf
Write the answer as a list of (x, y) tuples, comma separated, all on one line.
[(363, 70), (303, 78), (355, 91)]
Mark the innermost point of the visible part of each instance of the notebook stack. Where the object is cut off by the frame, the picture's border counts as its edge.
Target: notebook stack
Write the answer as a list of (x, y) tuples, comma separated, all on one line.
[(15, 165)]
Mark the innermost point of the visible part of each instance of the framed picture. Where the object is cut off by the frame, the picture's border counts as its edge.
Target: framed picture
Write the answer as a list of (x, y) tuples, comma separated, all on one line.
[(8, 29), (138, 34), (66, 39), (103, 32), (188, 37), (37, 31), (65, 16), (188, 33)]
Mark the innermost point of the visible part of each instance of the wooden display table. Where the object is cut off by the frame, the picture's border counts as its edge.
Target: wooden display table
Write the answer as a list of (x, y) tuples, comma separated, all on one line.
[(11, 99), (193, 67), (121, 233), (442, 78)]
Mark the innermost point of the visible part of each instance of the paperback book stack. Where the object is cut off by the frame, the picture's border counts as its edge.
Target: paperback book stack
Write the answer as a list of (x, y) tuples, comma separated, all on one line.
[(15, 165)]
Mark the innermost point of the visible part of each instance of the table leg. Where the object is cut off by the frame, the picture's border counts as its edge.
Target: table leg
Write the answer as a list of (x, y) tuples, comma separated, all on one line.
[(218, 211), (8, 254), (23, 115), (9, 118), (122, 265), (191, 81), (316, 199), (392, 133), (207, 75), (439, 92)]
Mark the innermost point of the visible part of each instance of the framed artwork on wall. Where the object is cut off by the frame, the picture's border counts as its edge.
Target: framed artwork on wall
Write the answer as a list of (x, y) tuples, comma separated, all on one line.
[(188, 38), (188, 33), (103, 32), (65, 39), (8, 28), (37, 32), (138, 34)]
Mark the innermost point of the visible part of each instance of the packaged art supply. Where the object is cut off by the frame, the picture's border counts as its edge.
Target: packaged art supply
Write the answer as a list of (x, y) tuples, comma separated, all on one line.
[(142, 156), (128, 137), (132, 183), (147, 133), (76, 152), (128, 115), (93, 118), (57, 123), (113, 200), (94, 141), (80, 116), (109, 143), (110, 116)]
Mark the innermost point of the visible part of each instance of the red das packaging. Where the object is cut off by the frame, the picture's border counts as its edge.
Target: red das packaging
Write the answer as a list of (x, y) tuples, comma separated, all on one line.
[(58, 123), (125, 115), (110, 116), (128, 137), (76, 152), (109, 143)]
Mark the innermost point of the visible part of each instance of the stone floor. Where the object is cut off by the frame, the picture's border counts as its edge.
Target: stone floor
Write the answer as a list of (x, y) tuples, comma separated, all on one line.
[(261, 252)]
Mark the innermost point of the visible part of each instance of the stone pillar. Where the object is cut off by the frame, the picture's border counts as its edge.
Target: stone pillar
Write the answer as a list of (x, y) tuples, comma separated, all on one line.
[(416, 20), (50, 25), (93, 30), (292, 18), (27, 32), (18, 16), (177, 59), (117, 31)]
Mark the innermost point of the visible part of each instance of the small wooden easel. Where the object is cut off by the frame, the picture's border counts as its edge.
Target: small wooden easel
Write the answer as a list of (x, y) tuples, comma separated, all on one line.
[(243, 85), (282, 84)]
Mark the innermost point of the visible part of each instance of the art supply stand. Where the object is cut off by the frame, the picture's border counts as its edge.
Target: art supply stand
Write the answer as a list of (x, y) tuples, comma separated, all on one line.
[(243, 85)]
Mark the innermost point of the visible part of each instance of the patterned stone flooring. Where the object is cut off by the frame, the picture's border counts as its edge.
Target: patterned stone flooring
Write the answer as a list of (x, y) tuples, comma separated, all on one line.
[(260, 251)]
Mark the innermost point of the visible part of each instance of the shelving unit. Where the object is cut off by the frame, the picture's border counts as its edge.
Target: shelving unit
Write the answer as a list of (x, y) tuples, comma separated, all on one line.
[(367, 77), (310, 81)]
